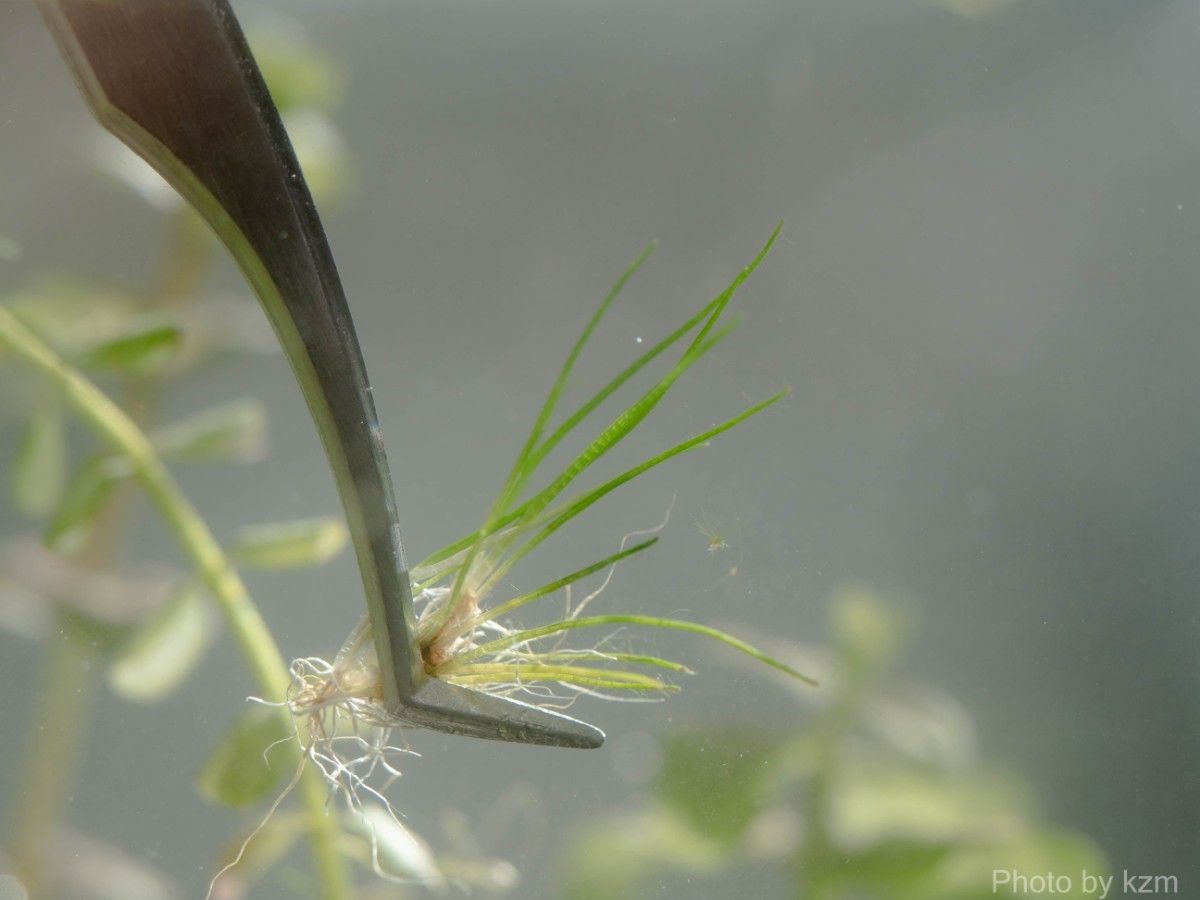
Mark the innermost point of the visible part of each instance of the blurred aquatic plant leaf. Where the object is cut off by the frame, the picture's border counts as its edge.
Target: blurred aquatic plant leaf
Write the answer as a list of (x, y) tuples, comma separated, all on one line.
[(23, 611), (855, 807), (962, 870), (965, 872), (890, 871), (85, 497), (272, 841), (71, 314), (298, 75), (115, 160), (39, 585), (490, 876), (231, 432), (83, 500), (236, 773), (925, 724), (145, 349), (39, 472), (157, 657), (400, 853), (868, 634), (90, 868), (321, 152), (290, 545), (305, 85), (715, 781), (875, 802), (612, 857)]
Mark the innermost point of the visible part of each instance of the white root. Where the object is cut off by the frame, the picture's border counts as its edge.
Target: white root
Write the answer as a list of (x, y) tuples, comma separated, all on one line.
[(347, 733)]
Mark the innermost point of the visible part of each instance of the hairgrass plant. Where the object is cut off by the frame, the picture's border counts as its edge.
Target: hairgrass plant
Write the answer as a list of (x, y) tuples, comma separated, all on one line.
[(469, 637)]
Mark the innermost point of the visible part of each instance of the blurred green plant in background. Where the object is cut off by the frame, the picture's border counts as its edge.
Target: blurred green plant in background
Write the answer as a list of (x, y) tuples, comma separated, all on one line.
[(878, 793), (73, 585)]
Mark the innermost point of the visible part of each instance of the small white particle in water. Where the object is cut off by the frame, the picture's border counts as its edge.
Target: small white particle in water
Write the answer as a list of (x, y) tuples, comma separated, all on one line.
[(639, 340), (1179, 207)]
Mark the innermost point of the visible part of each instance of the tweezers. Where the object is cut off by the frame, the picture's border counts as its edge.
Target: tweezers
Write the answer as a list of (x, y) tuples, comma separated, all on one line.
[(176, 81)]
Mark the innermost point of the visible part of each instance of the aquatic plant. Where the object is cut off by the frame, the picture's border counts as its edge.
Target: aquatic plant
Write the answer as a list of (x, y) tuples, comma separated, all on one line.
[(66, 344), (875, 790), (468, 639), (79, 340), (463, 638)]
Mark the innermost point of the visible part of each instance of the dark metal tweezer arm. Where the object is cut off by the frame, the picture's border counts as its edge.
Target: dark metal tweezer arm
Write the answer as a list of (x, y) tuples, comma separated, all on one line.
[(175, 80)]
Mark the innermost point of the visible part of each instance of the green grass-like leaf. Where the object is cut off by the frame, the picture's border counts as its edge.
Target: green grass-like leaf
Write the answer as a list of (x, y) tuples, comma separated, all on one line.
[(526, 515), (511, 530), (585, 676), (613, 386), (521, 470), (638, 659), (636, 413), (527, 460), (516, 602), (564, 625), (563, 515)]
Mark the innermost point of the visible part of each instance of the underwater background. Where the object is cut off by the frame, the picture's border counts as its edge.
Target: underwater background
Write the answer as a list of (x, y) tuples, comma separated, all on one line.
[(984, 298)]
